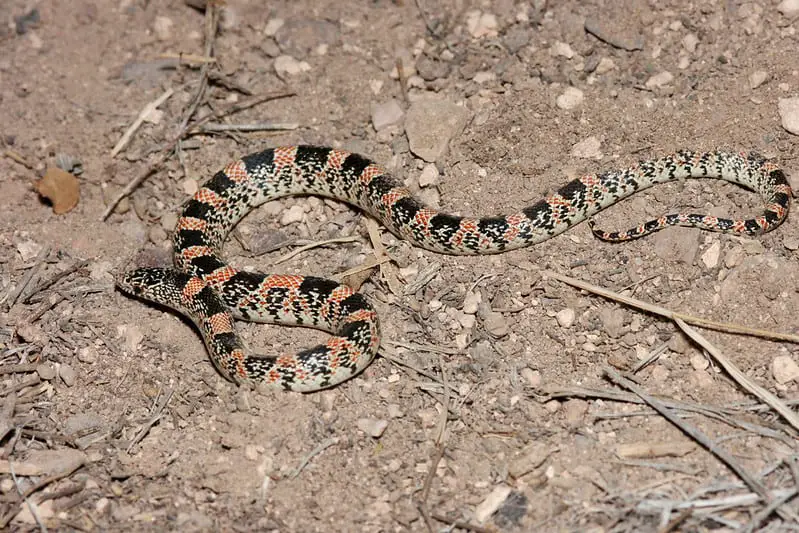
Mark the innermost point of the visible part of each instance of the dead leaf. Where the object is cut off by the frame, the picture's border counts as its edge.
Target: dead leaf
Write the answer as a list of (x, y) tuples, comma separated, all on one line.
[(61, 188)]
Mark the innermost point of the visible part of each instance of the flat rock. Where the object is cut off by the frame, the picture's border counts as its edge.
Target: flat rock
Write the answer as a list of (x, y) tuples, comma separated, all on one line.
[(624, 39), (430, 124), (386, 114)]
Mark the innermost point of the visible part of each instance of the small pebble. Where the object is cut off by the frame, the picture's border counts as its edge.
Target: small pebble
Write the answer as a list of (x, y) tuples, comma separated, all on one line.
[(784, 369), (87, 354), (561, 49), (711, 256), (565, 317), (287, 65), (612, 321), (659, 80), (699, 362), (46, 371), (169, 220), (789, 113), (67, 374), (575, 411), (481, 24), (471, 302), (496, 324), (372, 426), (532, 377), (690, 42), (430, 124), (292, 215), (605, 65), (386, 114), (162, 27), (274, 24), (190, 186), (757, 78), (588, 148), (572, 97), (429, 175), (791, 243)]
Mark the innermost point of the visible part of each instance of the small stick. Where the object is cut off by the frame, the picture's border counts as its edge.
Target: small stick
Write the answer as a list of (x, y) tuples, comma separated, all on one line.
[(18, 369), (32, 507), (36, 487), (11, 154), (312, 245), (460, 524), (188, 58), (681, 320), (691, 431), (157, 414), (143, 114), (172, 143), (440, 447), (54, 279), (13, 296), (215, 127), (739, 377), (46, 306), (662, 311), (763, 514), (403, 80), (316, 451)]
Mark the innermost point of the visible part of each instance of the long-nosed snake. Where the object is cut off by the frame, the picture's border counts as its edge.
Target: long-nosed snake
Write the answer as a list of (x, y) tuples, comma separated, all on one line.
[(211, 292)]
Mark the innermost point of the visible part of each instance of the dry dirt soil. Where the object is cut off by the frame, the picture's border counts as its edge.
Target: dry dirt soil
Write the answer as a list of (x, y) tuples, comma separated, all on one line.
[(489, 408)]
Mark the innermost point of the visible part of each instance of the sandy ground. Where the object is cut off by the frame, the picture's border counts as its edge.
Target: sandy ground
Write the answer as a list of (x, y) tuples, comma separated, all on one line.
[(490, 410)]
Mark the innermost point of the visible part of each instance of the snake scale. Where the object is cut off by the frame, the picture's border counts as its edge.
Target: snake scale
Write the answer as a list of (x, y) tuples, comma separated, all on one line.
[(211, 293)]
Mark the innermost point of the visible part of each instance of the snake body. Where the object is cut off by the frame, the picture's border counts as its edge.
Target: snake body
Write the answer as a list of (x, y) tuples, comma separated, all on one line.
[(211, 293)]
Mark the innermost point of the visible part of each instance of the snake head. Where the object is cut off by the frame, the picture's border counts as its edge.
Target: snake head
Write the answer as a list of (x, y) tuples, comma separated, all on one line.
[(161, 285)]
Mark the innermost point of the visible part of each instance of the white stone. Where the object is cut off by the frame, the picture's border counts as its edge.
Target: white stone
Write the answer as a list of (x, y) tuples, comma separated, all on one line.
[(784, 369), (572, 97), (690, 42), (481, 24), (189, 186), (659, 80), (699, 362), (588, 148), (372, 427), (162, 27), (287, 65), (292, 215), (483, 77), (789, 8), (561, 49), (471, 302), (28, 250), (789, 114), (711, 256), (565, 317), (606, 64), (491, 503), (270, 30), (429, 175), (386, 114), (757, 78)]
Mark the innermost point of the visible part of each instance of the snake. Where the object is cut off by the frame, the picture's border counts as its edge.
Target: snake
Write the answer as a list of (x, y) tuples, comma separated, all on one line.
[(212, 294)]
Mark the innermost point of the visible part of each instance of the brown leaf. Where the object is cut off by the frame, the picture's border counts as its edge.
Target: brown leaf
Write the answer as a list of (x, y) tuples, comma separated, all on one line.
[(61, 188)]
